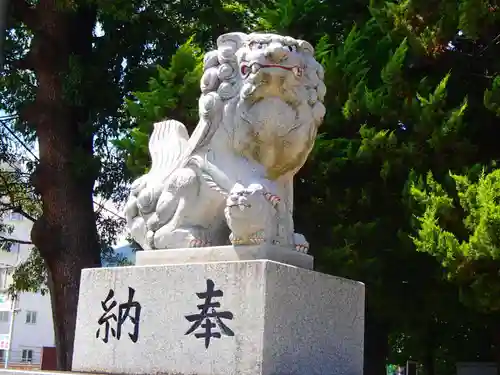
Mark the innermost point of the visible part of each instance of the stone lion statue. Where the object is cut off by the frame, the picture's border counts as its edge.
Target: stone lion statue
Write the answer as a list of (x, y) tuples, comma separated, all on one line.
[(251, 215), (260, 108)]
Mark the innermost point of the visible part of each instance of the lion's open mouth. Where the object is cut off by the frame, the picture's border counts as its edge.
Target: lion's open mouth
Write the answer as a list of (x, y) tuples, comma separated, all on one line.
[(240, 206), (255, 67)]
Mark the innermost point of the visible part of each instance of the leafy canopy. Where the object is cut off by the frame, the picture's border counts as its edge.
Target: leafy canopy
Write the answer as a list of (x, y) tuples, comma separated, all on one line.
[(471, 253)]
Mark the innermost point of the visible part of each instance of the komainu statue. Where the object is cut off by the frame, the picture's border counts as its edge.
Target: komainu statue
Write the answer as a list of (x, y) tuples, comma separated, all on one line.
[(232, 180)]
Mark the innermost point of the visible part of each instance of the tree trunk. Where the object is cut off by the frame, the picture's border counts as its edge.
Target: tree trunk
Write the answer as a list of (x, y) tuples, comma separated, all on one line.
[(66, 237), (64, 282), (376, 346), (66, 233)]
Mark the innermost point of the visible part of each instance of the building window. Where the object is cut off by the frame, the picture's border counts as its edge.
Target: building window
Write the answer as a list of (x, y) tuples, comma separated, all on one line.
[(4, 316), (30, 317), (2, 355), (16, 216), (4, 281), (14, 247), (27, 356)]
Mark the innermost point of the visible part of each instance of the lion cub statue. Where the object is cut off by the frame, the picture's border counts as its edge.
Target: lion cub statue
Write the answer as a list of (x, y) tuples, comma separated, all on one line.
[(251, 215), (231, 181)]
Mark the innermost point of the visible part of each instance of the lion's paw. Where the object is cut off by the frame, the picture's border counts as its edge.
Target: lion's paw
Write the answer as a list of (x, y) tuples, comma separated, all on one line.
[(188, 237), (301, 244), (138, 228), (256, 238), (198, 242), (150, 239), (153, 222)]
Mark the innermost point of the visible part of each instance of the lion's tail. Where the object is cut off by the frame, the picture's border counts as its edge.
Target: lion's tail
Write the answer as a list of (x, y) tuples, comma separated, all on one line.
[(167, 146)]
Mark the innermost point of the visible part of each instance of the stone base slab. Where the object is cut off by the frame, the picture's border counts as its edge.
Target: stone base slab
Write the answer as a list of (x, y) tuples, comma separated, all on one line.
[(42, 372), (225, 254), (265, 318)]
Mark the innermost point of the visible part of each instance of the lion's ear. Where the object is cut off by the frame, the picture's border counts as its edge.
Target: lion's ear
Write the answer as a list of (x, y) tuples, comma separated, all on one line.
[(233, 40), (306, 47)]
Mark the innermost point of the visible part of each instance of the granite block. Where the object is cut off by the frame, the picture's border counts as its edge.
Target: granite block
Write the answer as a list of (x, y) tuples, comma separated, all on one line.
[(225, 254), (42, 372), (35, 372), (276, 319)]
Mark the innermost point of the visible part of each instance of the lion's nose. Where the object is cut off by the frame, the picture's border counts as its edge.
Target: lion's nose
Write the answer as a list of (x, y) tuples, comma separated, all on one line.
[(276, 52)]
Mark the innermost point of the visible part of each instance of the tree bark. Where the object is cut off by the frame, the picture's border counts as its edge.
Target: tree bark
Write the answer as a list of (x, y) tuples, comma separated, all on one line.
[(64, 283), (66, 233), (376, 345)]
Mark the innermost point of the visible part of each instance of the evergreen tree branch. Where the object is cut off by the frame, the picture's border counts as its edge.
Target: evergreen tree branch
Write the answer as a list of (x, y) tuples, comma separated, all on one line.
[(24, 12), (14, 240), (27, 62), (25, 214), (14, 202), (18, 210)]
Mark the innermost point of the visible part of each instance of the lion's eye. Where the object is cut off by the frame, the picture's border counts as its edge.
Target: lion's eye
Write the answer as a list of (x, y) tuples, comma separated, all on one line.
[(292, 48)]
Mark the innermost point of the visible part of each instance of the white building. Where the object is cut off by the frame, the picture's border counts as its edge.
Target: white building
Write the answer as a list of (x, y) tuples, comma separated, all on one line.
[(32, 325)]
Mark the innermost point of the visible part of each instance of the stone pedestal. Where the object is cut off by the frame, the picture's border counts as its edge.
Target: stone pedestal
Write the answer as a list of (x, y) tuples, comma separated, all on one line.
[(261, 318), (224, 254)]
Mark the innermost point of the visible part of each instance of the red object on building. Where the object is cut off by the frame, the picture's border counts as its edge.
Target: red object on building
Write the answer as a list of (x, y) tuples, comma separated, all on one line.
[(48, 360)]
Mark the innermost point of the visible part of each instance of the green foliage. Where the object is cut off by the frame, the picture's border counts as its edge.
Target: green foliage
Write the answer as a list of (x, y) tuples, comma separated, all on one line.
[(172, 88), (30, 276), (16, 192), (492, 97), (280, 16), (399, 103), (311, 20), (471, 257), (173, 93)]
